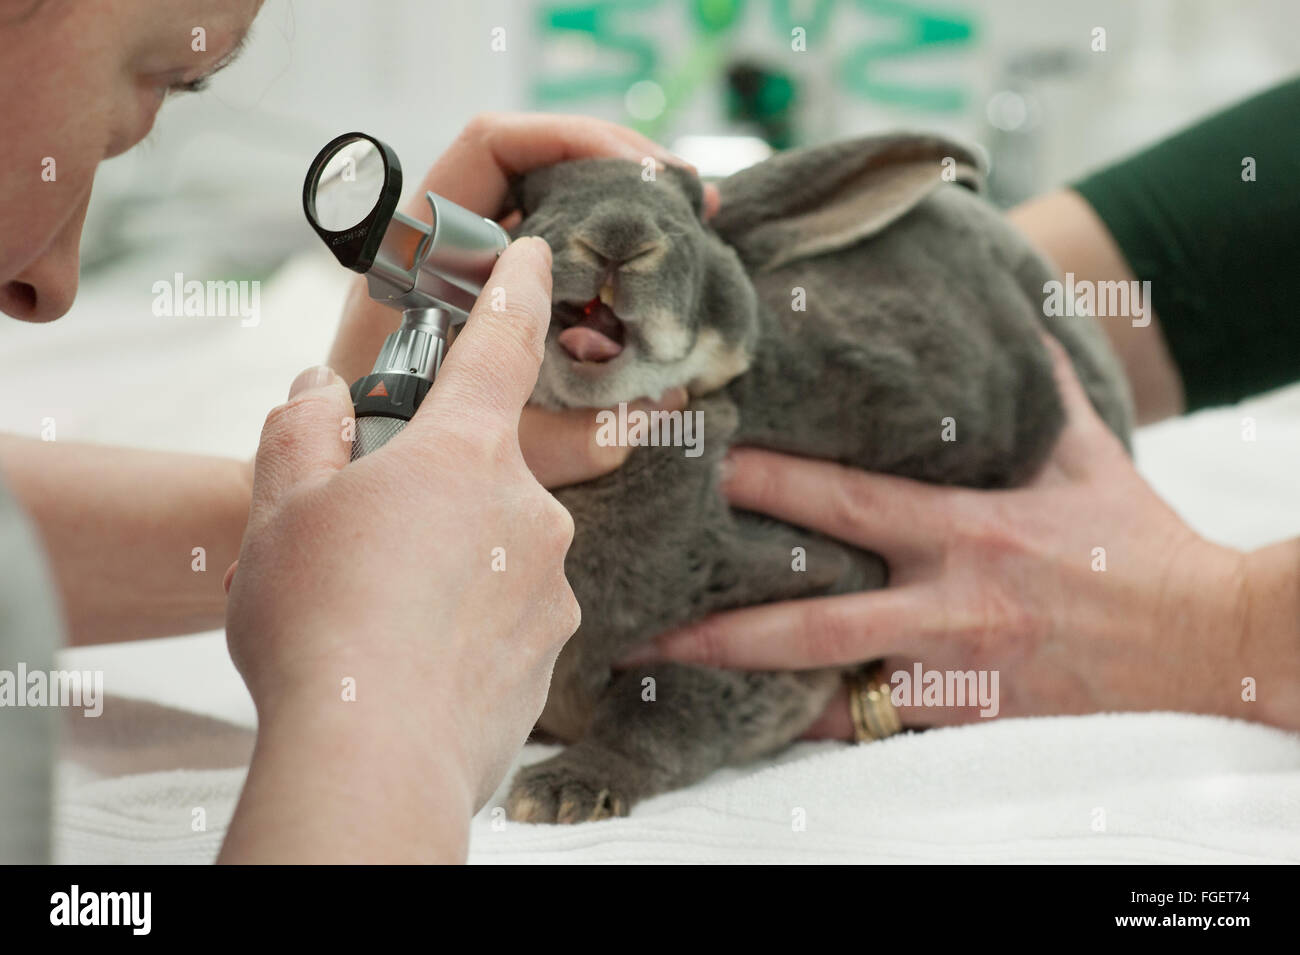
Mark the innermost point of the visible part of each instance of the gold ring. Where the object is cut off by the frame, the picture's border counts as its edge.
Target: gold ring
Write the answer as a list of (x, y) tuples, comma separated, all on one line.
[(874, 714)]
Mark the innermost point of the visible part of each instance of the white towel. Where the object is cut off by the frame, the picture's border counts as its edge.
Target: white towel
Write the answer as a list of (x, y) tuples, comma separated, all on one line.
[(1158, 787)]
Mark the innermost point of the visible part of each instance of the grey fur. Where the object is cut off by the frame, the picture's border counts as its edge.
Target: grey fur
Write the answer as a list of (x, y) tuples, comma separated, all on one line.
[(922, 304)]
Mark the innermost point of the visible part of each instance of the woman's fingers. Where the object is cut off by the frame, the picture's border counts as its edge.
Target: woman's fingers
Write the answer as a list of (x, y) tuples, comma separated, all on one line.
[(890, 515), (805, 634), (836, 721), (563, 447), (476, 169), (302, 440), (712, 201)]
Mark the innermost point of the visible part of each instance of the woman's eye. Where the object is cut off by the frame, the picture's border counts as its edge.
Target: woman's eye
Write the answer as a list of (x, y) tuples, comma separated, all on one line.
[(189, 86)]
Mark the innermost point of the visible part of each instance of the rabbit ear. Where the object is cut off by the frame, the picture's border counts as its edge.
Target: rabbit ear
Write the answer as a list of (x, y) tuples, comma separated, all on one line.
[(814, 200)]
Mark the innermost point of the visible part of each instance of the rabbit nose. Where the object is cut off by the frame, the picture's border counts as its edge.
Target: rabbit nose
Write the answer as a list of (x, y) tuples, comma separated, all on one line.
[(616, 240)]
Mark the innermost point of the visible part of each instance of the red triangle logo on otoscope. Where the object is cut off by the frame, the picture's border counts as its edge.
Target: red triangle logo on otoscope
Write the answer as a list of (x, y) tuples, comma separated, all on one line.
[(379, 391)]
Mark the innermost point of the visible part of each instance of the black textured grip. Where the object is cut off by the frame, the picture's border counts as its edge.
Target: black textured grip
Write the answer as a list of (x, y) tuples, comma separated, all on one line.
[(384, 402)]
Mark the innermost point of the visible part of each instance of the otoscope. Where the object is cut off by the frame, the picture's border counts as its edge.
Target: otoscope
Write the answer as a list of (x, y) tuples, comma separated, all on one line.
[(432, 272)]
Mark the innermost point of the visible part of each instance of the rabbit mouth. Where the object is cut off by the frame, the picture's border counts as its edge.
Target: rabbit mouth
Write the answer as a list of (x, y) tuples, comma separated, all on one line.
[(589, 332)]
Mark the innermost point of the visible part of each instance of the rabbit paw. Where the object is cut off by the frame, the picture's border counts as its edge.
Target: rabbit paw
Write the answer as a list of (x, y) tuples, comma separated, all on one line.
[(566, 789)]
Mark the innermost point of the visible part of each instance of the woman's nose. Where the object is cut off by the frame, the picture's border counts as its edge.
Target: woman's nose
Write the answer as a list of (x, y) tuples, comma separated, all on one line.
[(45, 289)]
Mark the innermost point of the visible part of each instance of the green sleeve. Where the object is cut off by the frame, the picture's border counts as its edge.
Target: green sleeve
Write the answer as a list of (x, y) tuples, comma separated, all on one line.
[(1222, 253)]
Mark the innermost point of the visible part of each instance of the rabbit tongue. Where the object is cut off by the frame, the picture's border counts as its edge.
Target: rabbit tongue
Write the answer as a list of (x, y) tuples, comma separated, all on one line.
[(587, 344), (598, 335)]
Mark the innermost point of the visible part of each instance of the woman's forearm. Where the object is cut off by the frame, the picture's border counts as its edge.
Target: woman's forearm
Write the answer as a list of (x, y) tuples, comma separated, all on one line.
[(1065, 228), (138, 541), (370, 780)]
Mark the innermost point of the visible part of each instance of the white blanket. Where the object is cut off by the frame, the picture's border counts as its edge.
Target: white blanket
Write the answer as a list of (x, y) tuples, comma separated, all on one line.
[(1157, 787), (176, 738)]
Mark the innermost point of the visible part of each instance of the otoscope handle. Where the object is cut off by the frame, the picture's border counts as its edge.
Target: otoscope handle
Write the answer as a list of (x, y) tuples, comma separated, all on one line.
[(384, 403), (387, 398)]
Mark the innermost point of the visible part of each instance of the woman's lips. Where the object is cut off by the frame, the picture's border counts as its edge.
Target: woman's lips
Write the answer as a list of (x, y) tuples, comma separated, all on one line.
[(595, 336)]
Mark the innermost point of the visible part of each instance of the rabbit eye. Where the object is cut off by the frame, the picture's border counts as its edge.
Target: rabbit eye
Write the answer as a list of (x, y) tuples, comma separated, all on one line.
[(588, 252), (641, 253), (605, 261)]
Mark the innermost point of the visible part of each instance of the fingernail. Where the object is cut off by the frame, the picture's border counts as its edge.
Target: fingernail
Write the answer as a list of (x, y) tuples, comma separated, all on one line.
[(538, 245), (316, 377)]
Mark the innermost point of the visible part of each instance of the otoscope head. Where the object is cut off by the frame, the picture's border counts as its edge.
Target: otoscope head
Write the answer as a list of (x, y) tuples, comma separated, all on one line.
[(350, 199)]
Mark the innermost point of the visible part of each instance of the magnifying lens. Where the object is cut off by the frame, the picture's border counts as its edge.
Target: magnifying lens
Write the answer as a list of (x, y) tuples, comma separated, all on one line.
[(431, 271)]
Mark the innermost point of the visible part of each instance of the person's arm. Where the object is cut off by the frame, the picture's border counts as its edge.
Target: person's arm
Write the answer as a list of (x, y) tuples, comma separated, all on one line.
[(1069, 232), (1209, 218), (372, 780), (396, 619), (120, 528)]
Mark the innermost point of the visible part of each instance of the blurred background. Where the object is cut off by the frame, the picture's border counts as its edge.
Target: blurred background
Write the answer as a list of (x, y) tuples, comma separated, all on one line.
[(1049, 89), (1021, 77)]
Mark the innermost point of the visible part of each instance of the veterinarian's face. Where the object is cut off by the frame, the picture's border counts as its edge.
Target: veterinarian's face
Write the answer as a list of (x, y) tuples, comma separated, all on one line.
[(83, 82)]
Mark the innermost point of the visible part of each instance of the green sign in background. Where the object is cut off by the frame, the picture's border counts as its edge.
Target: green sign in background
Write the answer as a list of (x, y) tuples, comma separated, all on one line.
[(884, 32)]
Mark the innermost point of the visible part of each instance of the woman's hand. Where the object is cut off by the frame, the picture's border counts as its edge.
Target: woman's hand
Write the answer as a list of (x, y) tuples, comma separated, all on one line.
[(475, 172), (1082, 589), (397, 619)]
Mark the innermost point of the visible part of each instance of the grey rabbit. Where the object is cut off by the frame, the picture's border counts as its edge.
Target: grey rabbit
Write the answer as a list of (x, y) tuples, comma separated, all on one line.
[(921, 304)]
